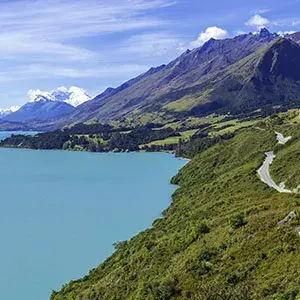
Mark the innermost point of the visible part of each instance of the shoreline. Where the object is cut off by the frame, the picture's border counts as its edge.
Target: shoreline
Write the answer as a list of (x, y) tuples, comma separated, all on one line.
[(85, 151)]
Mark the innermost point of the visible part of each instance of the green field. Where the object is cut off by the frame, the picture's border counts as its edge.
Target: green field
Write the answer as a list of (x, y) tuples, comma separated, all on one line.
[(230, 126), (184, 136)]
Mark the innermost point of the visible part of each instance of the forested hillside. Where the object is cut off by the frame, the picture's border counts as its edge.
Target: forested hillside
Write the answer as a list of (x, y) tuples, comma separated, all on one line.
[(220, 237)]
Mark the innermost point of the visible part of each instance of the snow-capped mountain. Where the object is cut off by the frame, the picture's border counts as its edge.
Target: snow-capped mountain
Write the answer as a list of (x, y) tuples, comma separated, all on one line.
[(73, 96), (77, 96), (44, 105), (42, 109), (9, 110)]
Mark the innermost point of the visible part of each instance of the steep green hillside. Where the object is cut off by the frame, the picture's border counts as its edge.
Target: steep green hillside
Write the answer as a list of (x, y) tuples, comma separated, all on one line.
[(219, 239)]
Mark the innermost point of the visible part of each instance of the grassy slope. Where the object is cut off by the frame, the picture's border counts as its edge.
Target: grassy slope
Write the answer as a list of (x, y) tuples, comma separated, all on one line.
[(185, 135), (230, 127), (245, 255), (286, 165)]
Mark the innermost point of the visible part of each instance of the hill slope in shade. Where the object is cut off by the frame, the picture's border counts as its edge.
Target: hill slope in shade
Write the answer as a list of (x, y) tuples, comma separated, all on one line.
[(294, 36), (269, 77)]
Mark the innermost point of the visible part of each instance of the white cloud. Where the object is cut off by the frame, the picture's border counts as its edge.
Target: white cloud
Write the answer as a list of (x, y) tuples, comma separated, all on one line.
[(283, 33), (240, 32), (47, 28), (257, 21), (44, 71), (14, 45), (47, 71), (262, 11), (153, 44), (296, 23), (210, 32)]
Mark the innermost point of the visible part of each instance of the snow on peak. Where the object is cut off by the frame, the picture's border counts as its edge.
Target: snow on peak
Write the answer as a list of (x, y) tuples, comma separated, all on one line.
[(77, 96), (38, 95), (73, 96), (9, 110)]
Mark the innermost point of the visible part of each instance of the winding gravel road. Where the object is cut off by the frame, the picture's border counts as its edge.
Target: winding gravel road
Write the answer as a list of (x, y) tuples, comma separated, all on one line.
[(264, 170)]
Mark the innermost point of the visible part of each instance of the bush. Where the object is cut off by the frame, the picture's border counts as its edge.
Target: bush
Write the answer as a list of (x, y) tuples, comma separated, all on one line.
[(203, 229), (237, 221)]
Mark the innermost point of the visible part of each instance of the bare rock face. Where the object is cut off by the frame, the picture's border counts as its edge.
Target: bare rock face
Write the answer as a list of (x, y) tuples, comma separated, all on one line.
[(298, 230), (288, 219)]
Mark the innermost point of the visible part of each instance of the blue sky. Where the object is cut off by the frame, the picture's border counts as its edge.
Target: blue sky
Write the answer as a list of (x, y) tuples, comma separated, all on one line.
[(96, 44)]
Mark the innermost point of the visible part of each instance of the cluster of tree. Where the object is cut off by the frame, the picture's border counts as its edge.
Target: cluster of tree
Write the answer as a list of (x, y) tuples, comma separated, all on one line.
[(82, 128), (100, 128), (138, 136), (81, 137), (82, 143), (55, 140), (159, 148), (198, 144), (111, 140)]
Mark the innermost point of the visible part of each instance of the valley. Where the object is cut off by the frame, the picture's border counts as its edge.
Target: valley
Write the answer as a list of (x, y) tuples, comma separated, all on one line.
[(225, 106)]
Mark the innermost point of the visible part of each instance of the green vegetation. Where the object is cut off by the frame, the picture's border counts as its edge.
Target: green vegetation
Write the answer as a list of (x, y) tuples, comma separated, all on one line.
[(187, 103), (174, 136), (219, 239), (231, 126), (92, 137), (183, 136)]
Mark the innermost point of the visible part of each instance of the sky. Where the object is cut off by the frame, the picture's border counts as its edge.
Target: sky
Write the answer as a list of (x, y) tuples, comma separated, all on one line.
[(95, 44)]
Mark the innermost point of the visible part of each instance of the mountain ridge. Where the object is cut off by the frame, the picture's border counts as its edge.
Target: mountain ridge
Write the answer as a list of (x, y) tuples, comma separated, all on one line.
[(153, 85)]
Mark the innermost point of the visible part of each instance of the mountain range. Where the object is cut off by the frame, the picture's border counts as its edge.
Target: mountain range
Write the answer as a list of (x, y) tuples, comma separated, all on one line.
[(237, 75), (46, 105), (184, 84), (234, 75)]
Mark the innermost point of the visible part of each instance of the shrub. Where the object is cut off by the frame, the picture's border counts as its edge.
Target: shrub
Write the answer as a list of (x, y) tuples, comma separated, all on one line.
[(237, 221), (203, 229)]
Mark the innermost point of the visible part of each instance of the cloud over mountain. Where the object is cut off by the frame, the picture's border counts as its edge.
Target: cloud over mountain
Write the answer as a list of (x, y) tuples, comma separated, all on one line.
[(257, 21), (210, 32)]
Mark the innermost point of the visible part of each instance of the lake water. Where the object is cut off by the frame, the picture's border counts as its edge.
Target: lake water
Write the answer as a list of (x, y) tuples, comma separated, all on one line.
[(60, 212)]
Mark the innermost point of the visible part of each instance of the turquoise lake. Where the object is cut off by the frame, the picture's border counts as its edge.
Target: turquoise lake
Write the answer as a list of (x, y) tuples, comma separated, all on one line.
[(60, 212)]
